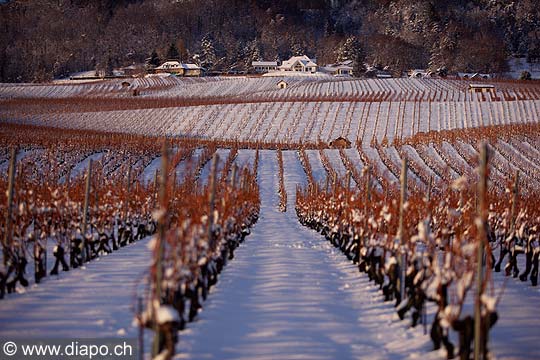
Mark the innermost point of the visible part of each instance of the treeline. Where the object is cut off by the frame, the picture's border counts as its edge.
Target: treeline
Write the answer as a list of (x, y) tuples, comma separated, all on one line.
[(44, 39)]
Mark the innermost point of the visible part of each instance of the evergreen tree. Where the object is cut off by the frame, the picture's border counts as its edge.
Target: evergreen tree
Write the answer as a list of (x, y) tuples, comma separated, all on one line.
[(109, 67), (173, 53), (252, 53), (208, 58), (358, 67), (351, 49), (154, 59), (525, 75), (296, 48)]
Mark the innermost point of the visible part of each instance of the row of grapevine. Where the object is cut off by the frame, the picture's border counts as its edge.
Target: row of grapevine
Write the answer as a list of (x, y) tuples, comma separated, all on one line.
[(426, 248), (292, 122), (199, 227)]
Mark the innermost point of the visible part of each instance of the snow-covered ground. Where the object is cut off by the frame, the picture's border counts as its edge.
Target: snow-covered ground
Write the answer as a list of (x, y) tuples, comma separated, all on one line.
[(93, 302), (245, 158), (188, 165), (80, 168), (149, 172), (518, 65), (290, 295), (205, 172), (515, 335)]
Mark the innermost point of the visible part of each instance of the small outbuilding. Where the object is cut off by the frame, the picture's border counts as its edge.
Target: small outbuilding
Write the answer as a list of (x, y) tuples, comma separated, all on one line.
[(282, 84), (340, 143), (482, 88)]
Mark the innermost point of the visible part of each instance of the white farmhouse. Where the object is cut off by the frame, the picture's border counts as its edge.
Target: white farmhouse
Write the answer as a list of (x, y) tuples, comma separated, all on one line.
[(299, 64)]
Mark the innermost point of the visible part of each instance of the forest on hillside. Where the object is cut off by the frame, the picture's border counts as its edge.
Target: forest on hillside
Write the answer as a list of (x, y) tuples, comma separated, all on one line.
[(45, 39)]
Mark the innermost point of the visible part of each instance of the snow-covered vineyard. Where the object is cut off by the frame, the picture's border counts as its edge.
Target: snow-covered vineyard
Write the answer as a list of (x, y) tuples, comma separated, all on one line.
[(253, 109), (248, 236)]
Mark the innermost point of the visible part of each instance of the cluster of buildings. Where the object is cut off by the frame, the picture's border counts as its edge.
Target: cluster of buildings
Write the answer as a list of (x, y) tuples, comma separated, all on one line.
[(423, 73), (302, 64), (179, 69), (296, 65)]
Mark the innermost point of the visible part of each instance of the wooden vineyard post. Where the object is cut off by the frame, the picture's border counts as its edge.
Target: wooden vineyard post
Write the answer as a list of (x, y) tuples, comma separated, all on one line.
[(256, 163), (160, 246), (368, 185), (7, 241), (428, 208), (482, 237), (430, 188), (515, 193), (334, 184), (367, 199), (68, 179), (366, 204), (85, 256), (140, 337), (155, 187), (401, 232), (233, 176), (173, 186), (348, 181), (96, 192), (211, 198), (327, 183), (128, 188)]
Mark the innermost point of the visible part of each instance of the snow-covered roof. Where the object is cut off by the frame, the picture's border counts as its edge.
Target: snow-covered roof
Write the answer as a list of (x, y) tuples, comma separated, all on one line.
[(291, 74), (419, 73), (474, 75), (264, 63), (304, 60), (177, 65), (169, 65), (338, 66), (341, 65), (481, 86), (191, 67)]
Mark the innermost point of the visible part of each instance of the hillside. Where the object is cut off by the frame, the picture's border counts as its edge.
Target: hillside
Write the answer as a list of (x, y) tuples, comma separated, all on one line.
[(460, 35)]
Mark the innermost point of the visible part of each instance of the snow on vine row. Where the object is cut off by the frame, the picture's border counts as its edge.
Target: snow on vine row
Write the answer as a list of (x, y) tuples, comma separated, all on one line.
[(253, 109), (293, 121), (290, 294)]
